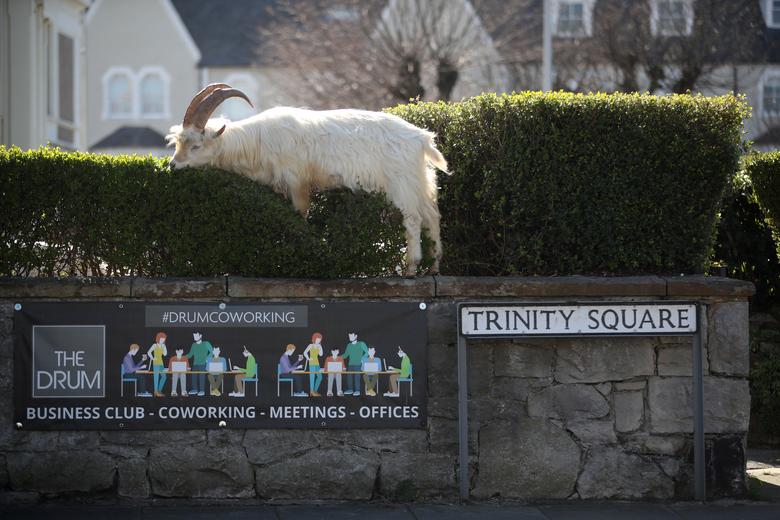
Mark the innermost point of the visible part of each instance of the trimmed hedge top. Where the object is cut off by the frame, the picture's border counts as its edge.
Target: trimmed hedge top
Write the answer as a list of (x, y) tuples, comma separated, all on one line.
[(582, 184), (542, 184)]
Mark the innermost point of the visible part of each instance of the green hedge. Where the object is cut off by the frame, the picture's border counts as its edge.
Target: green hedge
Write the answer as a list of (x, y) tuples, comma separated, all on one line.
[(542, 184), (84, 214), (745, 246), (764, 170), (563, 183)]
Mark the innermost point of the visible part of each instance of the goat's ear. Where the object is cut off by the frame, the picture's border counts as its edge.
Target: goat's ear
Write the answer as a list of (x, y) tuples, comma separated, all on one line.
[(219, 132)]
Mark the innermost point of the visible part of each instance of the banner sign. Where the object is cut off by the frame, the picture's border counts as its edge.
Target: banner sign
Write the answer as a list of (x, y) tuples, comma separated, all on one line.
[(116, 365), (598, 319)]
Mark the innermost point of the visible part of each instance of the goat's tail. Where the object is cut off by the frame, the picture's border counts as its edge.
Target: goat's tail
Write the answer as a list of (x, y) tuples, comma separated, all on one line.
[(433, 155)]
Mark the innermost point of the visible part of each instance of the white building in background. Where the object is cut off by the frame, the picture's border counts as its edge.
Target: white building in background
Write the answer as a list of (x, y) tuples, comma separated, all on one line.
[(111, 76), (43, 73)]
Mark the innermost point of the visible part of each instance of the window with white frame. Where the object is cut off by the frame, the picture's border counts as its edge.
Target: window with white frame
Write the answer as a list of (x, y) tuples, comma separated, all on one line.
[(119, 94), (672, 17), (773, 13), (236, 108), (153, 95), (770, 95), (572, 18), (129, 94)]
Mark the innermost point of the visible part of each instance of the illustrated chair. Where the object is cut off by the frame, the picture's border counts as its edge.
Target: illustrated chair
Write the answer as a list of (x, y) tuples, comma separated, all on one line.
[(279, 381), (409, 380), (254, 380), (125, 380)]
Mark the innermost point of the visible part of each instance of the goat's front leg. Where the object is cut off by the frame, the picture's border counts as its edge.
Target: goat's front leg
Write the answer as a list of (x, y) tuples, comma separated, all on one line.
[(301, 198)]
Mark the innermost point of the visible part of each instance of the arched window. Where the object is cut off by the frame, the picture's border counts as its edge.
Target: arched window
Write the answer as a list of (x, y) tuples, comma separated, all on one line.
[(118, 91), (153, 95), (770, 98), (236, 108)]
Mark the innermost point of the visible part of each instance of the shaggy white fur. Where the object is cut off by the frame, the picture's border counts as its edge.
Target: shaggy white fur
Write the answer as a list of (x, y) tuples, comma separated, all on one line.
[(296, 151)]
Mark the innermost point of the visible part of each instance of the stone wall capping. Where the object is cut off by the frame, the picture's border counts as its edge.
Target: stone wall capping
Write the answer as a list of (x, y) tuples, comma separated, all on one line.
[(699, 285), (549, 286), (390, 287), (164, 288), (72, 287)]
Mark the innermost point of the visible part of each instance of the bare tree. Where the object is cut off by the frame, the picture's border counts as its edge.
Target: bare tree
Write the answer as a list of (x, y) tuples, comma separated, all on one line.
[(674, 56), (376, 53)]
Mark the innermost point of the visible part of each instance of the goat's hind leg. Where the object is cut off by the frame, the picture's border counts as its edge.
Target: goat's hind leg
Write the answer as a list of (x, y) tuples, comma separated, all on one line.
[(412, 225)]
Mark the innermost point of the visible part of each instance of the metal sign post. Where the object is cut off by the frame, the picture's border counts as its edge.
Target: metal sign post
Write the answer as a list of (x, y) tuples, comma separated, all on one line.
[(593, 319)]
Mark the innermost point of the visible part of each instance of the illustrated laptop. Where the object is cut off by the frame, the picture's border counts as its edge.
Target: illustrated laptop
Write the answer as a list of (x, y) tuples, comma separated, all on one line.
[(371, 366), (216, 367), (335, 366), (179, 366)]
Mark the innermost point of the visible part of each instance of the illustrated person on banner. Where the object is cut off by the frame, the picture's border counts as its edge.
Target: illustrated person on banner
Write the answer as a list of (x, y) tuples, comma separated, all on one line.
[(370, 366), (199, 353), (131, 368), (335, 365), (353, 355), (217, 366), (287, 369), (178, 366), (404, 373), (250, 372), (156, 353), (312, 355)]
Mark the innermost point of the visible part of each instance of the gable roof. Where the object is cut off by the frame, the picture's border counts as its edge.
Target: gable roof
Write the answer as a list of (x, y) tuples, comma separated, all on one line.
[(131, 137), (228, 34)]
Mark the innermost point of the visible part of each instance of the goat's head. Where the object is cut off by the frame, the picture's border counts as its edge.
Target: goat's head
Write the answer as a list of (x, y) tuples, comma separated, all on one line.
[(196, 136)]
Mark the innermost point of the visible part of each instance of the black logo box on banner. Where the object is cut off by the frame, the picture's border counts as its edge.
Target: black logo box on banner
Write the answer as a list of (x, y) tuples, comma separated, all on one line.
[(131, 365)]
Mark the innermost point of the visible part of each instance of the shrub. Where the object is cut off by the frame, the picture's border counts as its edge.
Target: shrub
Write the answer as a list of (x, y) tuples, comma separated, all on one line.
[(745, 245), (569, 183), (84, 214), (542, 184)]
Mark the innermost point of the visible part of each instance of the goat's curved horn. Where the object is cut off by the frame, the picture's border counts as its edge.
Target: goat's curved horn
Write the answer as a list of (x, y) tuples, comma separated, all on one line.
[(211, 102), (200, 96)]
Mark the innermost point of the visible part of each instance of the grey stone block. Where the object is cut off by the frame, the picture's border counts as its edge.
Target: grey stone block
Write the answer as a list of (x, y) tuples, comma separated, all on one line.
[(442, 322), (677, 360), (19, 498), (595, 360), (4, 479), (590, 433), (268, 446), (154, 438), (609, 473), (513, 360), (642, 442), (513, 455), (61, 471), (344, 473), (420, 476), (443, 435), (133, 481), (511, 388), (442, 370), (568, 403), (387, 441), (630, 385), (225, 437), (480, 369), (726, 405), (76, 287), (179, 288), (728, 343), (76, 440), (629, 411), (201, 472), (386, 287)]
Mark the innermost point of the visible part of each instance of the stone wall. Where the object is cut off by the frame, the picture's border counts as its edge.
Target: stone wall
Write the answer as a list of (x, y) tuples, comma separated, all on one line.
[(549, 418)]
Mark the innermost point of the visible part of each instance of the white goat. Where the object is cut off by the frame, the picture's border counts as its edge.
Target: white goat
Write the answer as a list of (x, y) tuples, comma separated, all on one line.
[(297, 151)]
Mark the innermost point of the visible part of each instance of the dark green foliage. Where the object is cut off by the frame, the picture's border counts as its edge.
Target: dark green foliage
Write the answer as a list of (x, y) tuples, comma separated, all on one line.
[(765, 391), (564, 183), (745, 246), (542, 184), (83, 214)]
